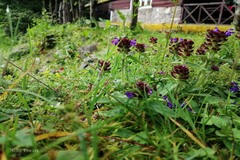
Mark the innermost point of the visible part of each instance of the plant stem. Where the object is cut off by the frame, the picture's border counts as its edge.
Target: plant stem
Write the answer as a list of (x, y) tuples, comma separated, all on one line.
[(123, 69), (171, 26)]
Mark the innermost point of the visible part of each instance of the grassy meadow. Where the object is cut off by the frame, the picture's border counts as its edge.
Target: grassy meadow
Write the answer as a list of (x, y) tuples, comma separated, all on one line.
[(74, 92)]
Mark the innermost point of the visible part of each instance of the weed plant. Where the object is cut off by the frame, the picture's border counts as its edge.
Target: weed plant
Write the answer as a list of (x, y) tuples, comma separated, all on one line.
[(134, 99)]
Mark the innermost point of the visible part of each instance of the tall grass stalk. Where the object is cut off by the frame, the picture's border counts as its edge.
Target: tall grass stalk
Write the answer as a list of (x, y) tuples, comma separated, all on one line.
[(13, 36), (170, 30)]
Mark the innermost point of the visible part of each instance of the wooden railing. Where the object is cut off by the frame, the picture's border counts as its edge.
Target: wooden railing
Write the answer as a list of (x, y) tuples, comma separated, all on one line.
[(212, 12)]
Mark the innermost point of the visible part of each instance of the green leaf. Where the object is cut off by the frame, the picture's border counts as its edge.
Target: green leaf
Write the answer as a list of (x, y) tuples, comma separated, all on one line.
[(121, 15), (124, 133), (163, 90), (74, 155), (24, 138), (3, 139), (229, 143), (63, 155), (236, 133), (107, 24), (119, 97), (220, 122), (111, 113), (134, 59), (158, 107), (4, 117), (213, 100), (203, 152)]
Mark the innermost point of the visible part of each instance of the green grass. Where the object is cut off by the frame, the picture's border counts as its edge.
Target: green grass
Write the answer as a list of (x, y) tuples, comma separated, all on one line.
[(70, 112)]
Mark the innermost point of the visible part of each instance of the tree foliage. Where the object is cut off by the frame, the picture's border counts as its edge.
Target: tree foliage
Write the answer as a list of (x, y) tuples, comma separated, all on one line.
[(21, 9)]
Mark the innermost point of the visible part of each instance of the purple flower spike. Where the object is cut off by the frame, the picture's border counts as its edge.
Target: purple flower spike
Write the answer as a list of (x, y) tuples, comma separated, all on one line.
[(133, 42), (180, 72), (115, 41), (130, 94)]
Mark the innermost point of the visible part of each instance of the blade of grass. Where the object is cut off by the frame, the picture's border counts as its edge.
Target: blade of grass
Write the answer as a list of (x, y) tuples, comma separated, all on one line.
[(28, 92), (189, 134)]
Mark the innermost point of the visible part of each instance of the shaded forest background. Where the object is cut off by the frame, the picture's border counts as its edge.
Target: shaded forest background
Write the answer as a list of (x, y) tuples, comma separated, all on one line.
[(63, 11), (60, 11)]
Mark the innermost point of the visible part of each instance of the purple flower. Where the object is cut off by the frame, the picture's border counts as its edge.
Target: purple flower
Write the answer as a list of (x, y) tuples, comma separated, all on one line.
[(169, 103), (229, 32), (153, 40), (181, 47), (161, 72), (215, 68), (140, 47), (165, 97), (133, 42), (183, 104), (130, 94), (105, 65), (190, 109), (216, 29), (181, 39), (202, 49), (180, 72), (234, 84), (144, 88), (234, 87), (150, 91), (124, 45), (115, 41), (174, 40), (214, 39)]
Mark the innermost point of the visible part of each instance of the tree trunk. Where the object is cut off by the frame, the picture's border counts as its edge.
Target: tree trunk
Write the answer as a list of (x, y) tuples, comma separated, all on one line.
[(72, 11), (93, 5), (134, 17), (80, 8), (60, 16), (55, 9), (236, 20), (64, 18)]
